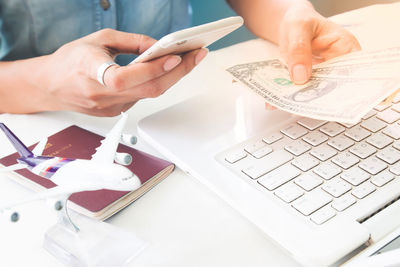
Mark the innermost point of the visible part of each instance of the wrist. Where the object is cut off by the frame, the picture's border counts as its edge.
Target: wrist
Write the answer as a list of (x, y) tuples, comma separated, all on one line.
[(299, 14), (36, 71), (303, 4), (24, 89), (302, 8)]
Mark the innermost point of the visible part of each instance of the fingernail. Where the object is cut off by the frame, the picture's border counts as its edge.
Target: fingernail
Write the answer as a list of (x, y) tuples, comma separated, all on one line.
[(200, 55), (299, 74), (172, 62)]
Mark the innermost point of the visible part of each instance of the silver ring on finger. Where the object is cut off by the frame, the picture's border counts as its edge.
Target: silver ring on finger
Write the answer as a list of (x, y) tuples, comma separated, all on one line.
[(102, 70)]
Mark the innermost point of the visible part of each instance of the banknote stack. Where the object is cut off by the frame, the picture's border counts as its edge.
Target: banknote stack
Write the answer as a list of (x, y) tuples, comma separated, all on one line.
[(342, 89)]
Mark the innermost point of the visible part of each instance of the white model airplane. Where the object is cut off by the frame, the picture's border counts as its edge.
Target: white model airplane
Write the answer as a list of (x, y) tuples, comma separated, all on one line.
[(75, 175)]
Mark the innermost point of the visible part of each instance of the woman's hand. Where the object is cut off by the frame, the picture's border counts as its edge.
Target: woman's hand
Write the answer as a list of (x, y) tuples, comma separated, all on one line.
[(67, 79), (306, 37)]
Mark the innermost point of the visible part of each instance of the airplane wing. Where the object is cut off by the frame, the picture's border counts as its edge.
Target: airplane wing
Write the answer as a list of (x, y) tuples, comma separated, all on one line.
[(11, 168), (38, 150), (105, 153), (58, 191)]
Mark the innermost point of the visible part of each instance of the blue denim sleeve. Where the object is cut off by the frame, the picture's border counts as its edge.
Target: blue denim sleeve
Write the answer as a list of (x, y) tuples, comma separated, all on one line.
[(30, 28)]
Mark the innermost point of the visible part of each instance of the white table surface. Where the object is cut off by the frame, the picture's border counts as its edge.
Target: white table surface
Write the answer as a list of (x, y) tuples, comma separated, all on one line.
[(184, 223)]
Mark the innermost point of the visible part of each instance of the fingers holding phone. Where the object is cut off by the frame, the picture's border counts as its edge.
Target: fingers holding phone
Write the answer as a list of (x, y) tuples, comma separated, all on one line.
[(84, 83), (159, 64), (125, 85), (152, 78), (68, 78), (166, 61)]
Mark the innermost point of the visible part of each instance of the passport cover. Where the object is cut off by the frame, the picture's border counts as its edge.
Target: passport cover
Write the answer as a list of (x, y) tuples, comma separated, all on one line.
[(76, 142)]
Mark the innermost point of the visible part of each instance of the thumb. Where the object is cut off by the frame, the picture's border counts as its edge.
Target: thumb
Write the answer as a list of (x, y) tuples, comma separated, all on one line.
[(122, 42), (112, 43), (299, 52)]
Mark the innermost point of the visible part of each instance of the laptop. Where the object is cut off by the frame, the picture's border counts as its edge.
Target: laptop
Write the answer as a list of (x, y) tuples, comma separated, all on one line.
[(321, 190)]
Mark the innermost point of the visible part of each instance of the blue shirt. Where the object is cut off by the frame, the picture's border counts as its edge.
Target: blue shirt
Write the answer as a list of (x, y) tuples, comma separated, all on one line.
[(30, 28)]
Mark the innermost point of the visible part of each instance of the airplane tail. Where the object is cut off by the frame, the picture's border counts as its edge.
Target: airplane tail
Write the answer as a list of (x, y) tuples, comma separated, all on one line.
[(19, 146)]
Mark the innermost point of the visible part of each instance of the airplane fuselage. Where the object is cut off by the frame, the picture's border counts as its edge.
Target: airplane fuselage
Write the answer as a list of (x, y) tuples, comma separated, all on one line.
[(70, 172)]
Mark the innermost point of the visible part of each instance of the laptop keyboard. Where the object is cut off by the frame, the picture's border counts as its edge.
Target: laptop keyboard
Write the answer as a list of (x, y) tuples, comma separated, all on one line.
[(322, 168)]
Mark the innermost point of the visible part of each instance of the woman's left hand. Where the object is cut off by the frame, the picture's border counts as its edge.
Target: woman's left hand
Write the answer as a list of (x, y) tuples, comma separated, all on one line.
[(306, 37)]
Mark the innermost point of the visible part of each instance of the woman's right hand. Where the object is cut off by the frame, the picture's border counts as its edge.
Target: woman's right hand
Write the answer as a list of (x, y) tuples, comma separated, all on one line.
[(67, 79)]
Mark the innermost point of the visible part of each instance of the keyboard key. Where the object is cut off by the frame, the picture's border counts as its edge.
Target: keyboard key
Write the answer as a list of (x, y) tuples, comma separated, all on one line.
[(395, 168), (323, 152), (370, 114), (267, 164), (355, 176), (362, 150), (396, 107), (382, 106), (311, 202), (345, 160), (336, 187), (389, 155), (327, 170), (278, 177), (341, 142), (311, 124), (289, 192), (298, 147), (305, 162), (396, 145), (396, 99), (235, 156), (382, 178), (343, 202), (250, 148), (393, 131), (308, 181), (389, 116), (262, 152), (272, 137), (379, 140), (373, 124), (332, 129), (315, 138), (323, 215), (348, 125), (294, 131), (363, 190), (357, 133), (373, 165)]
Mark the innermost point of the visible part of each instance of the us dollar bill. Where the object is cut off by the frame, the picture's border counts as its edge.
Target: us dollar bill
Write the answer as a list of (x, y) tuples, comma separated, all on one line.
[(359, 69), (382, 55), (343, 93)]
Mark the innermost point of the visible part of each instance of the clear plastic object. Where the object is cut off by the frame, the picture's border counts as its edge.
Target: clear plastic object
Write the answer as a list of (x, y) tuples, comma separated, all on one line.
[(83, 241)]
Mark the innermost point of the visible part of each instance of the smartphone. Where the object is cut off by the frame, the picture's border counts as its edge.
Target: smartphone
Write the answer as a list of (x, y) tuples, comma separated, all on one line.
[(190, 39)]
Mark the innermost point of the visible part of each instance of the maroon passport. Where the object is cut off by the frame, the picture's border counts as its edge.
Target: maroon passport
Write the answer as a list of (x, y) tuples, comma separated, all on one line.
[(75, 142)]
